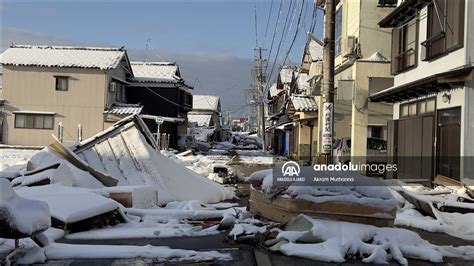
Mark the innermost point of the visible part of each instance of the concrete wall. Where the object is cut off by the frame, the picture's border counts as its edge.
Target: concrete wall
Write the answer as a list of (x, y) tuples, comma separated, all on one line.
[(33, 89)]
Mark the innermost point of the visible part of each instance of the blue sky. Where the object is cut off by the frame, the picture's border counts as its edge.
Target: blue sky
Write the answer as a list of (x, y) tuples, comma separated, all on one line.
[(210, 30)]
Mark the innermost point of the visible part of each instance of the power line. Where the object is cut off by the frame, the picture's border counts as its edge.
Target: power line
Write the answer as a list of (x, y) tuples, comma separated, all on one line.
[(296, 33), (256, 27), (268, 21), (274, 33)]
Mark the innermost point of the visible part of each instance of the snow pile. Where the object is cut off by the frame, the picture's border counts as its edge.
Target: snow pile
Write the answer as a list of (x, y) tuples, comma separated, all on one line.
[(62, 174), (23, 215), (337, 241), (69, 204), (128, 158), (47, 157)]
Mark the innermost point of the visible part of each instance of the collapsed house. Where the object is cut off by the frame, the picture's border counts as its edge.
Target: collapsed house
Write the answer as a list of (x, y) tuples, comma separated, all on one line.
[(205, 118)]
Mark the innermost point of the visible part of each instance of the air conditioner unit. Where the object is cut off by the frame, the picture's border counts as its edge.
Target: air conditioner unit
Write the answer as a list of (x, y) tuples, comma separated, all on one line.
[(113, 87), (351, 47)]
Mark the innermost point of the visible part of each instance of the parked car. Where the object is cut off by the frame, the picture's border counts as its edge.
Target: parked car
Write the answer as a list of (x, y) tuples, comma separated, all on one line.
[(376, 150)]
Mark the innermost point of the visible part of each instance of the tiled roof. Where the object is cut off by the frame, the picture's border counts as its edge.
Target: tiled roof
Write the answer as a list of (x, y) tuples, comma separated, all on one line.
[(304, 103), (62, 56), (206, 102), (159, 72), (124, 109), (201, 120)]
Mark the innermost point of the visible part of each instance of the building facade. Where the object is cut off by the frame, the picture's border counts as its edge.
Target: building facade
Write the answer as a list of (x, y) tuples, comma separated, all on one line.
[(72, 87), (206, 113), (362, 65), (433, 93), (165, 97)]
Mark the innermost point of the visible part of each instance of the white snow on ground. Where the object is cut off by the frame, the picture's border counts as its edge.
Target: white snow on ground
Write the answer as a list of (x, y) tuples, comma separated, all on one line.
[(24, 215), (69, 204), (160, 253), (335, 241), (13, 161)]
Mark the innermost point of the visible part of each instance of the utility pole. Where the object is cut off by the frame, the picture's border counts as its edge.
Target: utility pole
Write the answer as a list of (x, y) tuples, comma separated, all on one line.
[(259, 76), (328, 80)]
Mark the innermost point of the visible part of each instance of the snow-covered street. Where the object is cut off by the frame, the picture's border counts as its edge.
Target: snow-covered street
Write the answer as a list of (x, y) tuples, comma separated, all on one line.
[(196, 230)]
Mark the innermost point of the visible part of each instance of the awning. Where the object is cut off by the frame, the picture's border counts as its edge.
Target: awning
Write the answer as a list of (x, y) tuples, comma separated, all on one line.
[(34, 112), (429, 85), (403, 12)]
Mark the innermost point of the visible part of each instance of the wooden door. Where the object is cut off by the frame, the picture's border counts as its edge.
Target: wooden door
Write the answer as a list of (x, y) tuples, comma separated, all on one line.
[(449, 143)]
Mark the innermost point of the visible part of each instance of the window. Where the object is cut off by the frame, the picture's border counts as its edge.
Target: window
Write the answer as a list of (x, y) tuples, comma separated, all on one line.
[(417, 108), (36, 121), (404, 47), (119, 89), (445, 28), (338, 29), (62, 83)]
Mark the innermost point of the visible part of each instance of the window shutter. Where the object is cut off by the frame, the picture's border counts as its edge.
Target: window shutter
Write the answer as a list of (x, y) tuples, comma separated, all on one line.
[(454, 23), (395, 50)]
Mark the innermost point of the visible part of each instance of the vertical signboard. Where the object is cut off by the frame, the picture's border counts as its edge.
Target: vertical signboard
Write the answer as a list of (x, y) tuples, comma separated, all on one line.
[(327, 127)]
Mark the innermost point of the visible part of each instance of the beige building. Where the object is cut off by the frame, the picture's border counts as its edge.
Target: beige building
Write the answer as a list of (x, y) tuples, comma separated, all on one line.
[(80, 88), (362, 65)]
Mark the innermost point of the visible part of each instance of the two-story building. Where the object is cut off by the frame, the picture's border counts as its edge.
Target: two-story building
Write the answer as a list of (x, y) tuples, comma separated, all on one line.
[(362, 65), (433, 93), (80, 89), (165, 97)]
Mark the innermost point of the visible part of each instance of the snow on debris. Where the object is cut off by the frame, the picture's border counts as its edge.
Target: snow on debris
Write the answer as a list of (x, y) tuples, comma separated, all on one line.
[(315, 49), (62, 56), (128, 158), (286, 75), (24, 215), (206, 103), (159, 72), (332, 241), (13, 161), (58, 251), (376, 194), (69, 204)]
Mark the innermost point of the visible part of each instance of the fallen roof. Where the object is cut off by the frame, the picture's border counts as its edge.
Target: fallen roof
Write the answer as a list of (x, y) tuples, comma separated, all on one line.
[(303, 82), (124, 109), (63, 56), (156, 72), (315, 48), (274, 91), (304, 103), (201, 120), (206, 102)]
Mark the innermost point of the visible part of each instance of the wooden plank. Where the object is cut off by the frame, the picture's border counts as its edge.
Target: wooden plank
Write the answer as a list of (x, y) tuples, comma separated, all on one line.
[(282, 209), (124, 198), (74, 160)]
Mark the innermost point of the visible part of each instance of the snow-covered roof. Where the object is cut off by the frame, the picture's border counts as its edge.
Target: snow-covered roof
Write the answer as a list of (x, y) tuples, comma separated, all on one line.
[(286, 75), (274, 90), (206, 102), (303, 82), (304, 103), (315, 50), (62, 56), (124, 109), (201, 120), (156, 72)]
